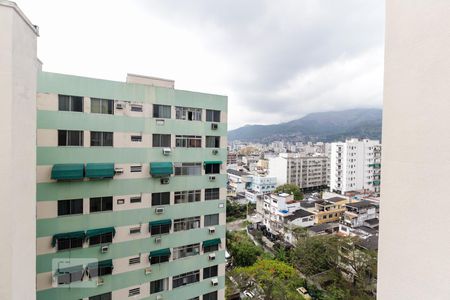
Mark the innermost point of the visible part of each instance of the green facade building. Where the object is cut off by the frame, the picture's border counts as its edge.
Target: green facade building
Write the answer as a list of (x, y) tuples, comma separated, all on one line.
[(131, 188)]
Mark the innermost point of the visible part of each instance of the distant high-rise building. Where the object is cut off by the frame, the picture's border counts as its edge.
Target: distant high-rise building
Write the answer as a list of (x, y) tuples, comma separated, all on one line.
[(131, 188), (308, 172), (355, 165), (18, 68)]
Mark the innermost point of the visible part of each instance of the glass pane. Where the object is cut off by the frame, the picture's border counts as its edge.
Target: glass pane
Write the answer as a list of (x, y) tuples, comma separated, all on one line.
[(77, 104), (95, 204), (63, 207), (63, 103), (96, 138), (108, 139), (77, 206), (95, 105), (62, 137)]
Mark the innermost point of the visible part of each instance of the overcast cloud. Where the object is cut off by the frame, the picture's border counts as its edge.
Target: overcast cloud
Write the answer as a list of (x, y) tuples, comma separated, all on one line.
[(276, 60)]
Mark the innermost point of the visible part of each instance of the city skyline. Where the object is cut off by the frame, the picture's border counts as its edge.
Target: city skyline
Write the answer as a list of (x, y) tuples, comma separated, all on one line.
[(276, 62)]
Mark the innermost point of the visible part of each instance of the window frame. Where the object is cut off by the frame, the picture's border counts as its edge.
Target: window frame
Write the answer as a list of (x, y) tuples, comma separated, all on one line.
[(188, 141), (210, 194), (187, 169), (104, 205), (216, 141), (213, 115), (162, 198), (103, 138), (210, 223), (70, 103), (161, 140), (186, 196), (160, 111), (109, 106), (68, 139)]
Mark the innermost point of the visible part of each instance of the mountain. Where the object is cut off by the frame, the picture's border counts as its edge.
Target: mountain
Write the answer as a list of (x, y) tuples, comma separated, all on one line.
[(320, 127)]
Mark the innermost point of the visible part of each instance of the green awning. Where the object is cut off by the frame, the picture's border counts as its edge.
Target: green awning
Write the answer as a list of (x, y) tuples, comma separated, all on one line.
[(160, 252), (68, 235), (160, 222), (101, 264), (376, 182), (72, 269), (212, 242), (100, 170), (100, 231), (67, 171), (212, 162), (159, 169)]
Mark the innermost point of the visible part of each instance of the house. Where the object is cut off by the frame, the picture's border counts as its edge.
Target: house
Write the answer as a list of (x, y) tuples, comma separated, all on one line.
[(359, 214)]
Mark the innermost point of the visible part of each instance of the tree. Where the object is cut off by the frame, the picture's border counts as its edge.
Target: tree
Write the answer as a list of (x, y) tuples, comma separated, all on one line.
[(244, 251), (290, 189), (276, 279)]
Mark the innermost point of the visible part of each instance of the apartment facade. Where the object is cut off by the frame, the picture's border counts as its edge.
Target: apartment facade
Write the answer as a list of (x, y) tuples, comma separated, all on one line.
[(355, 165), (308, 172), (131, 188), (18, 68)]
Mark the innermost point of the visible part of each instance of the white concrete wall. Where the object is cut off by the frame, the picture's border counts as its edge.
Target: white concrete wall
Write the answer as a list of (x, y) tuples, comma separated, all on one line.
[(18, 70), (414, 260)]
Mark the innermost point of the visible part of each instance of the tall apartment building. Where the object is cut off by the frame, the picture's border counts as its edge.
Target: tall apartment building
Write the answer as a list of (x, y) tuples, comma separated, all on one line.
[(355, 165), (414, 260), (308, 172), (131, 188), (18, 68)]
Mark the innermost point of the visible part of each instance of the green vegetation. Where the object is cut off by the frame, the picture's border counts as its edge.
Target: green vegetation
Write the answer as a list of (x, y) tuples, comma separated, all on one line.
[(236, 211), (290, 189), (316, 263)]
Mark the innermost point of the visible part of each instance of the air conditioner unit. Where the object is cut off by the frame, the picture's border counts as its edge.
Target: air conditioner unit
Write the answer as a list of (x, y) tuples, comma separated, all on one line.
[(100, 281), (120, 105), (148, 271), (214, 126), (165, 180), (212, 178), (215, 152), (211, 230), (166, 151), (159, 210), (212, 256), (214, 282), (104, 249), (157, 240), (118, 170)]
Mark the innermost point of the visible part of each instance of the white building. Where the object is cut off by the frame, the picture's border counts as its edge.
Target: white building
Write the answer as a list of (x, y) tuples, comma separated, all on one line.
[(414, 260), (308, 172), (358, 214), (18, 74), (355, 165)]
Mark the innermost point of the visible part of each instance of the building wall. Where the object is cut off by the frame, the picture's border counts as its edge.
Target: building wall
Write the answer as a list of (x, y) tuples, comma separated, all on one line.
[(18, 68), (125, 154), (414, 261)]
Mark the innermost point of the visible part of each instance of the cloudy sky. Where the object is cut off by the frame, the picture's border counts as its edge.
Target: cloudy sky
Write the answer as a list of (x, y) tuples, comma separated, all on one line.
[(276, 60)]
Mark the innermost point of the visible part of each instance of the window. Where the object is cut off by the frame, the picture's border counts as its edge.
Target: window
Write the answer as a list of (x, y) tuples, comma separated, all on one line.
[(70, 207), (161, 140), (212, 169), (136, 107), (135, 169), (185, 251), (100, 204), (161, 111), (188, 113), (212, 194), (187, 196), (136, 138), (188, 168), (105, 238), (211, 248), (210, 296), (136, 199), (70, 103), (106, 296), (212, 115), (211, 220), (160, 229), (160, 198), (102, 106), (70, 274), (101, 138), (134, 292), (157, 286), (70, 138), (134, 260), (135, 230), (159, 259), (186, 224), (70, 243), (188, 141), (209, 272), (212, 141), (185, 278)]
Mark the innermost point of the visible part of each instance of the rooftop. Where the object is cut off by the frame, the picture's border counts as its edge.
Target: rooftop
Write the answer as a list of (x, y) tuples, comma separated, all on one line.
[(361, 204), (301, 213), (237, 172), (336, 199), (370, 243)]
